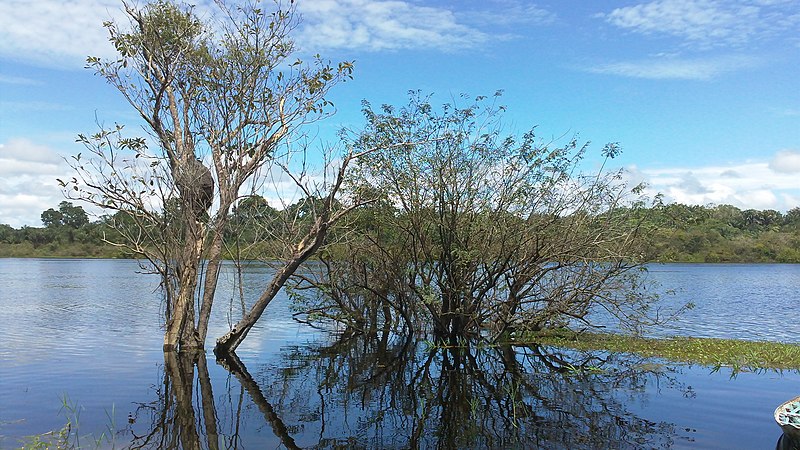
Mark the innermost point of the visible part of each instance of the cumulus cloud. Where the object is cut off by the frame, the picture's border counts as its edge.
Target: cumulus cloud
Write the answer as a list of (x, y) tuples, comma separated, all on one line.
[(383, 25), (786, 161), (676, 68), (28, 186), (730, 174), (749, 185), (691, 185), (23, 150), (56, 33), (709, 23)]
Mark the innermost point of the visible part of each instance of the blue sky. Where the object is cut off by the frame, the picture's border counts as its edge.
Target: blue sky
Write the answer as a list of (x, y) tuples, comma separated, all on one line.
[(702, 95)]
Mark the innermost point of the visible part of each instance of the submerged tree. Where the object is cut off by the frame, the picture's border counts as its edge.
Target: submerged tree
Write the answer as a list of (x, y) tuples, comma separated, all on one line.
[(218, 100), (480, 231)]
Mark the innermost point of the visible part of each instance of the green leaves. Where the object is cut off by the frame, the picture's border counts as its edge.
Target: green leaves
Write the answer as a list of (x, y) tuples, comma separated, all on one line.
[(611, 150)]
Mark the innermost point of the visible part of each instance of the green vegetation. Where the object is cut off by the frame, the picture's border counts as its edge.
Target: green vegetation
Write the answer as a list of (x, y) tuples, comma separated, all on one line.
[(682, 233), (67, 233), (725, 233), (737, 354), (247, 234), (476, 230), (68, 437)]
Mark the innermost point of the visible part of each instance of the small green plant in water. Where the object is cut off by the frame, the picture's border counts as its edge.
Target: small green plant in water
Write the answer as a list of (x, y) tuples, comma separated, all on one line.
[(67, 438), (577, 370)]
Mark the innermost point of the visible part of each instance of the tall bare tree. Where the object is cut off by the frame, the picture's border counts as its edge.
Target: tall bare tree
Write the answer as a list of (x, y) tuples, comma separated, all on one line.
[(218, 99)]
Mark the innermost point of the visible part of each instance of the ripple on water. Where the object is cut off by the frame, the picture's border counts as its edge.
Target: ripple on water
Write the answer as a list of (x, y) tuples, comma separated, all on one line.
[(92, 329)]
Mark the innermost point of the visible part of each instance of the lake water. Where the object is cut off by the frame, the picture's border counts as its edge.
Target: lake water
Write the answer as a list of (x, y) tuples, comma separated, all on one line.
[(88, 331)]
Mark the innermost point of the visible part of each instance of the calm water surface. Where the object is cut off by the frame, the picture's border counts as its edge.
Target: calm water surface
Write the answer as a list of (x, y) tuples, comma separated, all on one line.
[(89, 330)]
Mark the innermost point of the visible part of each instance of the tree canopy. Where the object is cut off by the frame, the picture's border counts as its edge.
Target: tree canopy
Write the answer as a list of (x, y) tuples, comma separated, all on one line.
[(67, 215), (481, 231)]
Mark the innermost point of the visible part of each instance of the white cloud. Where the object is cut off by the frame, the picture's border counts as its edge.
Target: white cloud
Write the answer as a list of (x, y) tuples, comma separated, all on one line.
[(786, 161), (23, 150), (508, 13), (383, 25), (674, 68), (62, 34), (28, 186), (4, 79), (56, 33), (709, 23), (751, 185)]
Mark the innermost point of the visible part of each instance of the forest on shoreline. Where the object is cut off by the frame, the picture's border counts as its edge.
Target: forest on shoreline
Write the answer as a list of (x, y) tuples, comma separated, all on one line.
[(679, 233)]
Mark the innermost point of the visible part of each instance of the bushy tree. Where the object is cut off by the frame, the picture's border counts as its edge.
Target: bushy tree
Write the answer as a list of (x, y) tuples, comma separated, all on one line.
[(67, 215), (52, 218), (486, 231)]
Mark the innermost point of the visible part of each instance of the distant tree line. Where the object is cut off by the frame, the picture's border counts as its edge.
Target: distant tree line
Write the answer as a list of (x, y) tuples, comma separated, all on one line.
[(66, 232), (681, 233), (725, 233)]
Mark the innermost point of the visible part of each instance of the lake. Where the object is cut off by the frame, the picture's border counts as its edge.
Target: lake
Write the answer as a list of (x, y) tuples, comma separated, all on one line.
[(86, 333)]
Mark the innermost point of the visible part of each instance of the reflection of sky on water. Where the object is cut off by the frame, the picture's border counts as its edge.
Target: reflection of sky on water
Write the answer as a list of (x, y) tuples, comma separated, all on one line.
[(90, 329), (58, 309), (738, 301), (716, 410)]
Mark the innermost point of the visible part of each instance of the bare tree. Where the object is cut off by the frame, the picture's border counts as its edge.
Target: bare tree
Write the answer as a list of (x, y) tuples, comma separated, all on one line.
[(216, 97)]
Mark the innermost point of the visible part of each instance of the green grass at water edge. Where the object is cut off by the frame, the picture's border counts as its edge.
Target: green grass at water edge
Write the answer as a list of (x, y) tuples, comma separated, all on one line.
[(737, 354)]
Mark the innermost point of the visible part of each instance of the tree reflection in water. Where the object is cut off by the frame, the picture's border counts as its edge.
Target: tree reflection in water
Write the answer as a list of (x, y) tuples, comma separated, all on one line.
[(385, 392), (174, 417)]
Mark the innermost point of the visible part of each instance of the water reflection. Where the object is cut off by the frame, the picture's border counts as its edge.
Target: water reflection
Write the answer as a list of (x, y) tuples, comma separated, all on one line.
[(176, 421), (379, 392), (234, 365), (387, 392), (469, 396)]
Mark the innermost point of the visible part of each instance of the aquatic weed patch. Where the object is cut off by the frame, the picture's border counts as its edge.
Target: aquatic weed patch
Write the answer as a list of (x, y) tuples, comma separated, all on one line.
[(734, 353)]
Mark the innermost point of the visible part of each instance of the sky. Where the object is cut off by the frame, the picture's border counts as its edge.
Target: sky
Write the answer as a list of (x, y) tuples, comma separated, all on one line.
[(703, 96)]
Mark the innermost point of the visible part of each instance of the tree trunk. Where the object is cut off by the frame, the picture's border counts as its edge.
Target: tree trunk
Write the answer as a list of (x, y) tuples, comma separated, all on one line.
[(234, 337), (180, 312), (312, 241), (210, 283), (181, 332)]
